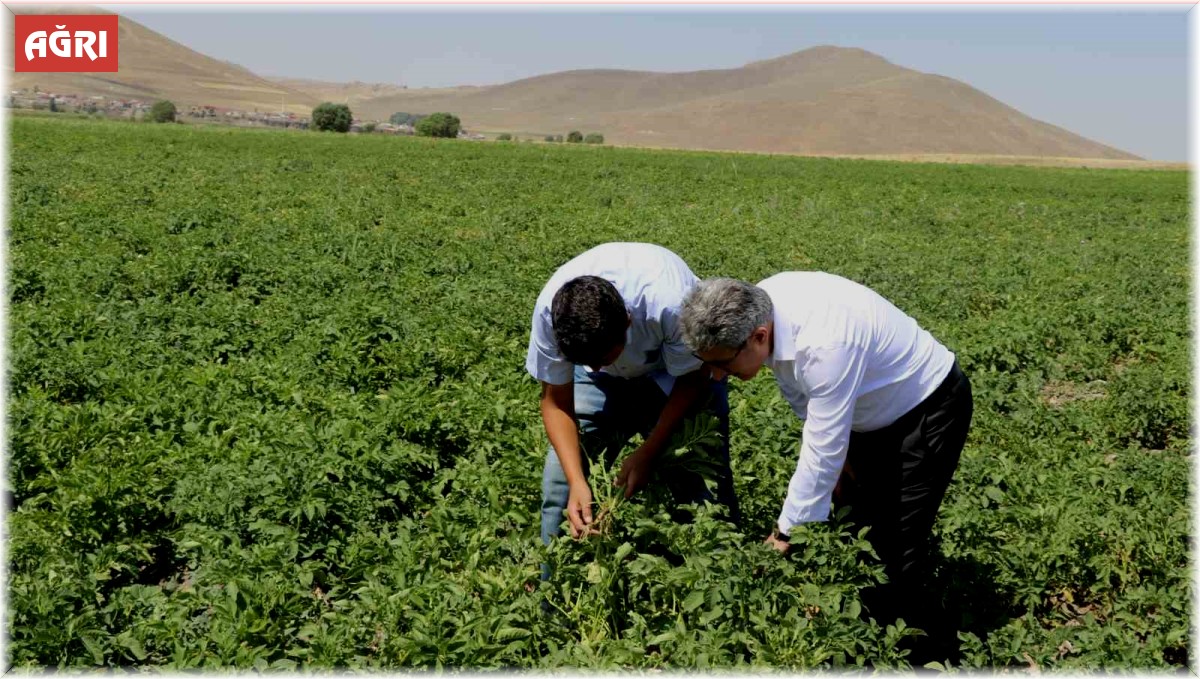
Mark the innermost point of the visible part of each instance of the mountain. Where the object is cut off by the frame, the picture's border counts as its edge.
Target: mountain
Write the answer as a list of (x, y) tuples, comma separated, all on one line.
[(351, 93), (152, 66), (823, 100)]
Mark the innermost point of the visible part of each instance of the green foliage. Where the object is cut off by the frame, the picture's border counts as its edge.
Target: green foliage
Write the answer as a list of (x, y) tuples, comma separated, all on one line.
[(267, 408), (369, 128), (400, 118), (162, 112), (574, 137), (504, 136), (53, 105), (549, 138), (442, 125), (594, 138), (331, 117)]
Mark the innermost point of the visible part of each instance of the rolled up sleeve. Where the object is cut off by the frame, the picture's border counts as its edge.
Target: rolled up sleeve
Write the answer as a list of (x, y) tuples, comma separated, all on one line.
[(677, 358), (542, 359)]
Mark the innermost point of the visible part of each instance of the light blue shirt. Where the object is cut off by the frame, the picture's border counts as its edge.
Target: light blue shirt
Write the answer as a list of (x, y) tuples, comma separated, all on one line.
[(653, 282)]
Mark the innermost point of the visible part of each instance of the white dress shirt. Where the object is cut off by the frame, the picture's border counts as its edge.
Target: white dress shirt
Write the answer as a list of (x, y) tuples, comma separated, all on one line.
[(653, 282), (846, 360)]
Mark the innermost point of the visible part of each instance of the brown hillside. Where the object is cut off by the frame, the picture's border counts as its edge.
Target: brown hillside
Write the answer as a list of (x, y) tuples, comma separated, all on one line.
[(154, 67), (821, 100), (343, 93)]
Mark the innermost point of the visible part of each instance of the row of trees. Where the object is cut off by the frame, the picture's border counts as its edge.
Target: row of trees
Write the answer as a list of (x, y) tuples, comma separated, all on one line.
[(573, 137), (331, 117), (576, 137)]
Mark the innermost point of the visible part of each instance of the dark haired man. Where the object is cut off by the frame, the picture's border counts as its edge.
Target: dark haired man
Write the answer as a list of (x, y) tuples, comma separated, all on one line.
[(607, 348)]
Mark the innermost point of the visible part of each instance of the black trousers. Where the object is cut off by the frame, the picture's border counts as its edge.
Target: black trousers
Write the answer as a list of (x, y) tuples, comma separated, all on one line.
[(894, 481)]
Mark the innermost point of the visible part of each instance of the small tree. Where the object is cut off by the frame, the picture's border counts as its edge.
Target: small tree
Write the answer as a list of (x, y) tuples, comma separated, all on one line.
[(574, 137), (53, 105), (558, 138), (162, 111), (442, 125), (504, 137), (402, 118), (594, 138), (369, 128), (549, 138), (329, 116)]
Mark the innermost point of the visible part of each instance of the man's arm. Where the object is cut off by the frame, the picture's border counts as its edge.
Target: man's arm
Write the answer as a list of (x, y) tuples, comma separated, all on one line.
[(558, 416), (688, 389), (834, 376)]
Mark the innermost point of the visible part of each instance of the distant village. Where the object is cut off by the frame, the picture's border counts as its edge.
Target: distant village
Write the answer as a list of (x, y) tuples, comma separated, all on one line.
[(136, 109)]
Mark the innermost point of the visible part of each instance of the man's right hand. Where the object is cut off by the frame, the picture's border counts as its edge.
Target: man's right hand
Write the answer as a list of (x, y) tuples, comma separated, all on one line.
[(579, 509)]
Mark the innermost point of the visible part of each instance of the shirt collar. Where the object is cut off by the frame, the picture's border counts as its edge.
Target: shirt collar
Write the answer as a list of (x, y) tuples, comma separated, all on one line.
[(784, 338)]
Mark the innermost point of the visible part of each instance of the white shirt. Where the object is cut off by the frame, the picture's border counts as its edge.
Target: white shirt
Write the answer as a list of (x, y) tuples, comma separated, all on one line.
[(653, 282), (846, 360)]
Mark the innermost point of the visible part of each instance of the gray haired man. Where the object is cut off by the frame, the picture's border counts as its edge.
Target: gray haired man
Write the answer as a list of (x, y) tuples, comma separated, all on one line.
[(885, 406)]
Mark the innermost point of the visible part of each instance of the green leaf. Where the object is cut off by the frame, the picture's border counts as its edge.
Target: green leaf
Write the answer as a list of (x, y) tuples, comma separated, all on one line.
[(135, 647), (693, 601)]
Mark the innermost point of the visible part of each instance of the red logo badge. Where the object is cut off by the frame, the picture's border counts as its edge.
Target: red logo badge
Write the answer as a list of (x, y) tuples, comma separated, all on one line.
[(66, 43)]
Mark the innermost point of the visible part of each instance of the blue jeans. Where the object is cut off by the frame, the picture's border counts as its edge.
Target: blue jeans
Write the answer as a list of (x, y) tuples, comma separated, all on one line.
[(610, 410)]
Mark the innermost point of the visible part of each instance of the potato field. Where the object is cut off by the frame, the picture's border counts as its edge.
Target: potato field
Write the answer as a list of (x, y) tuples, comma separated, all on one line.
[(267, 406)]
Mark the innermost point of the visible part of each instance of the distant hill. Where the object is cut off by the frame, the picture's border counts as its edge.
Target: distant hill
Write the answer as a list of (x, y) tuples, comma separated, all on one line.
[(155, 67), (823, 100), (343, 93)]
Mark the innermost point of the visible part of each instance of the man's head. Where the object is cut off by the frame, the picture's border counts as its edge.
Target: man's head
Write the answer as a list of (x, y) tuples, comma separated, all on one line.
[(727, 324), (590, 320)]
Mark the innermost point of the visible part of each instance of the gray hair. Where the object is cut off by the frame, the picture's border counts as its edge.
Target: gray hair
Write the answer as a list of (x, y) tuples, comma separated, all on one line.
[(722, 312)]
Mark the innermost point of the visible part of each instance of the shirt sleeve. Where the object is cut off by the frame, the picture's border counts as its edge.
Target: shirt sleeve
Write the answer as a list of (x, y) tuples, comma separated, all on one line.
[(677, 358), (833, 376), (543, 360)]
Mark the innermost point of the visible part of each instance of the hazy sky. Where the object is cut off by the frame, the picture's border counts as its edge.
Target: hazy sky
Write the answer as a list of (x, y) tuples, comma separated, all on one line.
[(1115, 75)]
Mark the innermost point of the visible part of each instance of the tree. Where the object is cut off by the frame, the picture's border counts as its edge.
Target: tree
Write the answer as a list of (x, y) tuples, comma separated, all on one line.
[(549, 138), (53, 105), (574, 137), (401, 118), (594, 138), (504, 137), (369, 128), (332, 117), (439, 125), (162, 111)]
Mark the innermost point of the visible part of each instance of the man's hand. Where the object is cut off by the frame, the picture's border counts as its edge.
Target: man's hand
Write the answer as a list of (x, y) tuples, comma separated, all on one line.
[(579, 509), (777, 541), (635, 470)]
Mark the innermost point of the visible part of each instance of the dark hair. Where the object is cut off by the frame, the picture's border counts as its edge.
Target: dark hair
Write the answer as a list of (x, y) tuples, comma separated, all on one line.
[(589, 319)]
